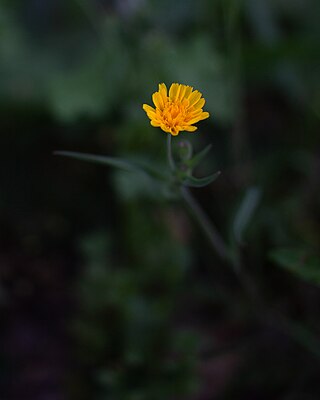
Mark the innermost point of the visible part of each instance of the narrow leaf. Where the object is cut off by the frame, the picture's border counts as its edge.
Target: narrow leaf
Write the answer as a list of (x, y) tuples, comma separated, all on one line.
[(200, 182), (300, 262), (194, 161), (245, 212), (112, 162)]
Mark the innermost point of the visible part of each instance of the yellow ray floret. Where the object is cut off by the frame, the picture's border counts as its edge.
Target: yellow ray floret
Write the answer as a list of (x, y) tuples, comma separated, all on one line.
[(177, 110)]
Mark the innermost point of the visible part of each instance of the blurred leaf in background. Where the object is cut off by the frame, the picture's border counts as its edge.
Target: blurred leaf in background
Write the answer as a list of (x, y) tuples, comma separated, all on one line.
[(108, 290), (300, 262)]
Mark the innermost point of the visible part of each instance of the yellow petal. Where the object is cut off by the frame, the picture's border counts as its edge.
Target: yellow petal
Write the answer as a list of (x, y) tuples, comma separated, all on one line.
[(182, 92), (178, 92), (163, 92), (190, 128), (204, 115), (163, 89), (200, 103), (194, 98), (165, 128), (158, 100), (173, 91), (198, 118), (174, 131), (148, 109), (188, 91), (193, 114)]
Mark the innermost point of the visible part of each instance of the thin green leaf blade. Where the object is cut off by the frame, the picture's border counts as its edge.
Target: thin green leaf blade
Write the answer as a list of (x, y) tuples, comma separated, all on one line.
[(201, 182), (300, 262), (245, 212), (104, 160), (113, 162), (194, 161)]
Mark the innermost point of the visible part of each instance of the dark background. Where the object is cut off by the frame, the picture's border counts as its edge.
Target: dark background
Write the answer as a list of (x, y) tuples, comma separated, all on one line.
[(108, 289)]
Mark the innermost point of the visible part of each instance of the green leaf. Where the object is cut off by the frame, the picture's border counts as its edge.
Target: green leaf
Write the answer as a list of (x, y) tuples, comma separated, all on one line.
[(194, 161), (245, 212), (200, 182), (303, 335), (113, 162), (300, 262)]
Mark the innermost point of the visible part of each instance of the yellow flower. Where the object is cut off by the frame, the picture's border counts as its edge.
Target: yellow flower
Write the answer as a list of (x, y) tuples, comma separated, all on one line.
[(177, 111)]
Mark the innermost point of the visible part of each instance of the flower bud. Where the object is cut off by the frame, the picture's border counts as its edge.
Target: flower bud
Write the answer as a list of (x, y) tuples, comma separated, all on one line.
[(185, 150)]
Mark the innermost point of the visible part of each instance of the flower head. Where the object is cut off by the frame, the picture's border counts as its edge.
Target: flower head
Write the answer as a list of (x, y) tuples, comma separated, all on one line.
[(178, 110)]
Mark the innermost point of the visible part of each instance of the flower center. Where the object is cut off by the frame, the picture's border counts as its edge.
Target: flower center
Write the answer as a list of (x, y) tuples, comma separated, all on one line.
[(173, 113)]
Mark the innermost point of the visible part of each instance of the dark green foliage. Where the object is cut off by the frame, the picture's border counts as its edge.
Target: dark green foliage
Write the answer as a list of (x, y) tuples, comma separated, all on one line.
[(108, 289), (300, 262)]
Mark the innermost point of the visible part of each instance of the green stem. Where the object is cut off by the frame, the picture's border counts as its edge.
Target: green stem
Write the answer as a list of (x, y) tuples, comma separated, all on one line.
[(169, 152), (262, 312), (207, 226)]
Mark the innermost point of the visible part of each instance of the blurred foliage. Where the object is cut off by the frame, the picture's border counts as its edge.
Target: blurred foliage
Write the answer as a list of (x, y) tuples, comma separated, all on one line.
[(129, 299), (300, 262), (125, 324)]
